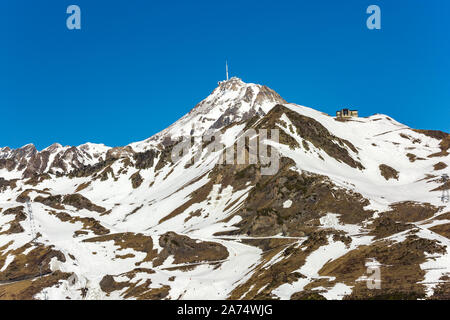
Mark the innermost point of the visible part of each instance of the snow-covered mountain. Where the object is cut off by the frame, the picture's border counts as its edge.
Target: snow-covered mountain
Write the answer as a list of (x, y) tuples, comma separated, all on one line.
[(350, 196), (231, 102), (28, 161)]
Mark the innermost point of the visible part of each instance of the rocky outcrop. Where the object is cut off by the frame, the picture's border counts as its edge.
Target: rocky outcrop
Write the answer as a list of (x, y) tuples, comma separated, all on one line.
[(56, 159), (388, 172), (186, 250)]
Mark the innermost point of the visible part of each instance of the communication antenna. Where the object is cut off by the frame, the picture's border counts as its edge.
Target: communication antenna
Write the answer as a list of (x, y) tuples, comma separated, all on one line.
[(226, 68), (445, 193), (31, 218)]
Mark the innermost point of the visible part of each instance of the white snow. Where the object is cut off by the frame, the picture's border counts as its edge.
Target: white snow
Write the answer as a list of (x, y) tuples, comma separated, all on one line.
[(287, 204)]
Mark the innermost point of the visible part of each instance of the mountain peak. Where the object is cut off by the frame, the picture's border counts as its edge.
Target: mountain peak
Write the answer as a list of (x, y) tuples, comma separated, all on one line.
[(54, 147), (231, 84), (232, 101), (241, 96)]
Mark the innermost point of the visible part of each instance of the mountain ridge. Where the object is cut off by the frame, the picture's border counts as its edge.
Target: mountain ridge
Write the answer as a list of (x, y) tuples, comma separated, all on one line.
[(259, 99)]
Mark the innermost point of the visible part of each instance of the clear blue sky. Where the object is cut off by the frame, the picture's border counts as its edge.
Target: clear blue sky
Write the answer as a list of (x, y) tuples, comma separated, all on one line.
[(135, 67)]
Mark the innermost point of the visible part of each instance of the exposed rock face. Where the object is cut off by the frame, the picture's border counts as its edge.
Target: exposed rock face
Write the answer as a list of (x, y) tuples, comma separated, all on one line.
[(75, 200), (26, 265), (27, 161), (18, 159), (388, 172), (108, 284), (14, 225), (314, 132), (186, 250)]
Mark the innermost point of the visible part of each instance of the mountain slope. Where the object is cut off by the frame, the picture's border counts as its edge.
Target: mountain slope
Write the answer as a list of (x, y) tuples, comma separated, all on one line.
[(130, 222)]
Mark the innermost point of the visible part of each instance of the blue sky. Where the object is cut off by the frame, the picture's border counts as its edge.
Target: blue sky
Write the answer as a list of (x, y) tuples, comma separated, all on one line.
[(135, 67)]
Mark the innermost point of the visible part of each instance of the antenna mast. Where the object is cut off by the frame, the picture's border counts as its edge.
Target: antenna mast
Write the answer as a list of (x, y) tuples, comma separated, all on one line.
[(226, 67)]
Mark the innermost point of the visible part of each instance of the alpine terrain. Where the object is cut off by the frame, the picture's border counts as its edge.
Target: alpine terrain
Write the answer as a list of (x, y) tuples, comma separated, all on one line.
[(354, 211)]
